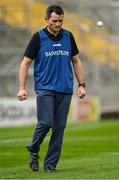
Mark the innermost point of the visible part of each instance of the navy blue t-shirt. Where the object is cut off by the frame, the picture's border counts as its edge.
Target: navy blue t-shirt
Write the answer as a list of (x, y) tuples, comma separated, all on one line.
[(34, 44)]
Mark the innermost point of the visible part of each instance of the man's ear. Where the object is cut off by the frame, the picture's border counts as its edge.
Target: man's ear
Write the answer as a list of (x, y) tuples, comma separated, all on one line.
[(46, 18)]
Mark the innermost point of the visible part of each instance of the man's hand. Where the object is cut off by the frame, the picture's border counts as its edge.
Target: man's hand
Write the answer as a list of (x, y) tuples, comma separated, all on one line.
[(22, 94), (81, 92)]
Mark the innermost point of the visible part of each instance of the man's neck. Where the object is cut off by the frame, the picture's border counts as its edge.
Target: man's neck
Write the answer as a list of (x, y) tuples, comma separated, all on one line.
[(53, 33)]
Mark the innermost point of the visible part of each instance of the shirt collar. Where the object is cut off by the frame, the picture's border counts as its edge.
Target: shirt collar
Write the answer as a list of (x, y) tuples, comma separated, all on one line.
[(51, 35)]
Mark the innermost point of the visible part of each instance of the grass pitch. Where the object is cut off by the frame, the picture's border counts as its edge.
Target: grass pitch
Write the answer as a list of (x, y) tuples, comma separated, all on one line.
[(90, 151)]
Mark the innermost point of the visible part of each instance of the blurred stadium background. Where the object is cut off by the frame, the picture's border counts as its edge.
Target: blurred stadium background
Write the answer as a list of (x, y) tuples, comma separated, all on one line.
[(99, 52)]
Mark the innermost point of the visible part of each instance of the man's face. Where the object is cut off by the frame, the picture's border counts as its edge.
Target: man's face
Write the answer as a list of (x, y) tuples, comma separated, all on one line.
[(55, 22)]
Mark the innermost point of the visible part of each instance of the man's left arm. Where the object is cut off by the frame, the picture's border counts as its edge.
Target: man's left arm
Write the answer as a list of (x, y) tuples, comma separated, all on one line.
[(79, 73)]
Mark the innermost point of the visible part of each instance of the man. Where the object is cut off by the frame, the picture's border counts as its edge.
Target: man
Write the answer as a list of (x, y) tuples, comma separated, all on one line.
[(54, 49)]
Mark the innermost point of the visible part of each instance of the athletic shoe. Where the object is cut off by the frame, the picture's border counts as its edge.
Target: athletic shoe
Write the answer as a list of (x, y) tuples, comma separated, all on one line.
[(50, 169), (33, 161)]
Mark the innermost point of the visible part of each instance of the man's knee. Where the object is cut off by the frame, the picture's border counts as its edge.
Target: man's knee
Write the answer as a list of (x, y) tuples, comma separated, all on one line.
[(59, 129), (43, 125)]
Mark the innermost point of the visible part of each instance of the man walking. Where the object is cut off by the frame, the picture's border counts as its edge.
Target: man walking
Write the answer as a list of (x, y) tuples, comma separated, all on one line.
[(53, 50)]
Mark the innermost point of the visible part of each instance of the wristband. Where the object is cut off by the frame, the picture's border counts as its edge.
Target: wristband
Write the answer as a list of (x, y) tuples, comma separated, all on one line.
[(82, 84)]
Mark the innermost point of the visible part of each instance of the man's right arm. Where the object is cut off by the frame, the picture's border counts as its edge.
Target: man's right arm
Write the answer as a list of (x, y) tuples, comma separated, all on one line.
[(23, 72), (29, 54)]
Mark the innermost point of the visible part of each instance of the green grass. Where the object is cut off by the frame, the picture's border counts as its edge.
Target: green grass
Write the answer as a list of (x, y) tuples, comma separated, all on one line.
[(90, 151)]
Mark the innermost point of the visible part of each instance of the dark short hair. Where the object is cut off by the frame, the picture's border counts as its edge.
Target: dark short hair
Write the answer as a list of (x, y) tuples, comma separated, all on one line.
[(54, 8)]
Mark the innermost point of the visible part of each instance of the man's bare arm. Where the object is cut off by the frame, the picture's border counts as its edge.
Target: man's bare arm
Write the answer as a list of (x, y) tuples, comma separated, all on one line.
[(23, 73), (78, 70)]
